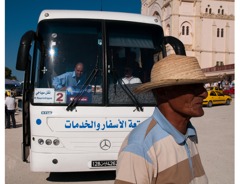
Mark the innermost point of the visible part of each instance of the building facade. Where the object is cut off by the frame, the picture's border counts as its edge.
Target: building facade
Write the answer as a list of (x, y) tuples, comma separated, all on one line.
[(206, 27)]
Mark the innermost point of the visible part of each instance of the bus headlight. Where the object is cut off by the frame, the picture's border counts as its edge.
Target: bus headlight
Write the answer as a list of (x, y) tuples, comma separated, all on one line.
[(40, 141), (48, 142), (56, 142)]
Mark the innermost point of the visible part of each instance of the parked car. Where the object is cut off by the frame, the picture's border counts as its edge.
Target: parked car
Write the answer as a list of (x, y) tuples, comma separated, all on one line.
[(13, 89), (216, 98), (8, 92), (214, 88), (230, 91)]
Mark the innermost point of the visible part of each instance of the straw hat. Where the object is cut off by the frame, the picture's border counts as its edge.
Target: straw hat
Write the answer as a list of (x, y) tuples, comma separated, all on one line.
[(175, 70)]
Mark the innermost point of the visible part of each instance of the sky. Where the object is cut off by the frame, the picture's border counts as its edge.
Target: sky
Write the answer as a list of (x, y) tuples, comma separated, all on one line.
[(22, 16)]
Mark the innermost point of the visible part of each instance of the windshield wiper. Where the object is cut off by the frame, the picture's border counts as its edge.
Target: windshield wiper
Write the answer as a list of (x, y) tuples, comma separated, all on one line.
[(124, 87), (139, 107)]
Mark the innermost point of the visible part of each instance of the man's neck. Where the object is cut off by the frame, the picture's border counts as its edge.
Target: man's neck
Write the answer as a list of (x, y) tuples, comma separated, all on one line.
[(177, 120), (128, 78), (77, 79)]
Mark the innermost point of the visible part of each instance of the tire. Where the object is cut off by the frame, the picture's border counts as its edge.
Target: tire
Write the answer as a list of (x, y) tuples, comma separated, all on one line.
[(228, 102), (210, 104)]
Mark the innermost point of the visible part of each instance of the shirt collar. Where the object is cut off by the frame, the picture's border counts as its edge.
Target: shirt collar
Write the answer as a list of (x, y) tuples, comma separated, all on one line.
[(169, 128), (73, 74)]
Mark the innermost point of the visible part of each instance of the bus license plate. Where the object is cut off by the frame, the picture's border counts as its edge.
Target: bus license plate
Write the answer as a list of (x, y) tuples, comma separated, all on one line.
[(104, 163)]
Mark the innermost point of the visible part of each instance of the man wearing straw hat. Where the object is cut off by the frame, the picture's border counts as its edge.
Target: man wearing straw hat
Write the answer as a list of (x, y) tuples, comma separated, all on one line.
[(162, 149)]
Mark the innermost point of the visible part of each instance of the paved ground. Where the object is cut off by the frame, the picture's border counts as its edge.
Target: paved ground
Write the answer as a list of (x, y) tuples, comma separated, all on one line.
[(216, 146), (216, 143)]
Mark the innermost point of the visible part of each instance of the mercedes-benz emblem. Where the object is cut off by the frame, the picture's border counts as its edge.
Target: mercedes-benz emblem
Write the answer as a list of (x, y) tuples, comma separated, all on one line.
[(105, 144)]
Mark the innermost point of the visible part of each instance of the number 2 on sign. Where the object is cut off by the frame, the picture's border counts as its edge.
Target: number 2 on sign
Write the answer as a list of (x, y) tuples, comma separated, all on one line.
[(60, 97)]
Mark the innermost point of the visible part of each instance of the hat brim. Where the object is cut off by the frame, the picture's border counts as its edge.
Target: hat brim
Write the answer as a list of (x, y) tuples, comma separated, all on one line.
[(172, 82)]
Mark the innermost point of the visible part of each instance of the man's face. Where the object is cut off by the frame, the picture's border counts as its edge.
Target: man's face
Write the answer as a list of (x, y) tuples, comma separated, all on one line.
[(187, 99), (128, 72), (79, 70)]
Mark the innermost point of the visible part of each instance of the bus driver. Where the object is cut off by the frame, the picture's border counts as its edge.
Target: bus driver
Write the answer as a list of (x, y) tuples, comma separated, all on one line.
[(74, 78)]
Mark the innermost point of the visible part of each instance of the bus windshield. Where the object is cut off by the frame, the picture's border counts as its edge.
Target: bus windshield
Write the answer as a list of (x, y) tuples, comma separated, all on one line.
[(95, 62)]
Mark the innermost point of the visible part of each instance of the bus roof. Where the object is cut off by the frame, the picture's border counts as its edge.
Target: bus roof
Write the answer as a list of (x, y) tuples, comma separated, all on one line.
[(101, 15)]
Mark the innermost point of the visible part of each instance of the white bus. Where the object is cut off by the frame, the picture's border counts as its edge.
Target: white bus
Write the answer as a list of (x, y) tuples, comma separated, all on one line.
[(81, 128)]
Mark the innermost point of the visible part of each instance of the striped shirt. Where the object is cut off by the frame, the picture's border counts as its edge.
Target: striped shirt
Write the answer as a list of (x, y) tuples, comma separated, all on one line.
[(156, 152)]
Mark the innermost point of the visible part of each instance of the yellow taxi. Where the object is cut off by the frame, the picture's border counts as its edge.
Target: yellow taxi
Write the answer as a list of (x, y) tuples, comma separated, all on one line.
[(214, 88), (216, 97)]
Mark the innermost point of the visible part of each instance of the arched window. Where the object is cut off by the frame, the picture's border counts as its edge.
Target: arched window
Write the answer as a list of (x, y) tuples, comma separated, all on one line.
[(220, 32), (221, 10), (208, 9), (186, 34), (186, 28)]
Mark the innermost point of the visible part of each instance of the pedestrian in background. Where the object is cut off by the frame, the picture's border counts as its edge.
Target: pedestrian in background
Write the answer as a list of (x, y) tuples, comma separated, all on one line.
[(10, 106), (129, 78), (162, 149)]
